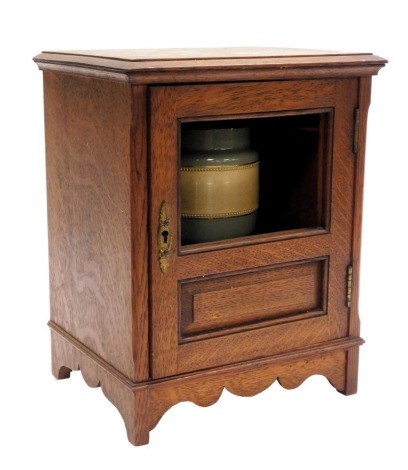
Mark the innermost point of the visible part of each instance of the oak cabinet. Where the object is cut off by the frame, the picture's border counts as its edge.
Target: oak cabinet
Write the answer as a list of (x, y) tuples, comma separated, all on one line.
[(155, 319)]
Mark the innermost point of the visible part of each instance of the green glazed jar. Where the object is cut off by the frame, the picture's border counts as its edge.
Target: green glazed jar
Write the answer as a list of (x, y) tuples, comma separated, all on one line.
[(219, 184)]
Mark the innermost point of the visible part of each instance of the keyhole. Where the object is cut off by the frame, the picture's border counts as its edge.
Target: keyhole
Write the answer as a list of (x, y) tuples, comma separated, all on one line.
[(165, 235)]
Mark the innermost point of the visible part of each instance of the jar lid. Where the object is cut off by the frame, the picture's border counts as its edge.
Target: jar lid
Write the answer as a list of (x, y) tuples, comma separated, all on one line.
[(202, 139)]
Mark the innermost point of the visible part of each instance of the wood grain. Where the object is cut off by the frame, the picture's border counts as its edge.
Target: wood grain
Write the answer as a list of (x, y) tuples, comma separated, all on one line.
[(88, 170), (341, 225), (162, 183), (364, 94), (231, 99), (142, 405), (210, 65), (251, 239), (246, 299), (236, 314), (153, 55), (69, 355), (168, 105), (139, 227)]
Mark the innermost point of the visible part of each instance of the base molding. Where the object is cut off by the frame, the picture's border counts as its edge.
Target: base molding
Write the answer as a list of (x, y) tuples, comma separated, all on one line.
[(143, 404)]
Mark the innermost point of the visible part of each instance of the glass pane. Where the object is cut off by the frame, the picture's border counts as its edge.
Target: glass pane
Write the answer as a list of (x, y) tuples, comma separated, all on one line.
[(254, 176)]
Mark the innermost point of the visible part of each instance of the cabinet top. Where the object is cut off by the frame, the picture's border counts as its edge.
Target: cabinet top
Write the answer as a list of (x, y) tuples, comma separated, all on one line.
[(215, 64)]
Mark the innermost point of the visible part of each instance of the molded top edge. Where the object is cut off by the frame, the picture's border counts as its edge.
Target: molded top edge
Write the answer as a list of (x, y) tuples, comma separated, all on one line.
[(152, 55), (142, 55), (130, 63)]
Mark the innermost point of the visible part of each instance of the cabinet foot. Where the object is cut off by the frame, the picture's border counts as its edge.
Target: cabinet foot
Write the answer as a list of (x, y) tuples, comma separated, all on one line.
[(351, 372), (131, 402), (142, 405)]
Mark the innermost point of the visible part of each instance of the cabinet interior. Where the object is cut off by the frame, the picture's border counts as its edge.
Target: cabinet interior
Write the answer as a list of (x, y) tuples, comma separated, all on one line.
[(294, 151)]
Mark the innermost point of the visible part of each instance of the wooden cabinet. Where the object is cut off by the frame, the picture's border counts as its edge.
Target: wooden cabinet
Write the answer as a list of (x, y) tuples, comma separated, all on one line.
[(154, 319)]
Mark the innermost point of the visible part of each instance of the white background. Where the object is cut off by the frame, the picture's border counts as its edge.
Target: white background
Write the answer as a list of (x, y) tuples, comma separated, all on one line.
[(48, 424)]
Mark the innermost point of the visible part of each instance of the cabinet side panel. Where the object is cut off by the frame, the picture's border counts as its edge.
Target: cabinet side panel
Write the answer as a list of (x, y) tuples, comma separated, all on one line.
[(88, 131)]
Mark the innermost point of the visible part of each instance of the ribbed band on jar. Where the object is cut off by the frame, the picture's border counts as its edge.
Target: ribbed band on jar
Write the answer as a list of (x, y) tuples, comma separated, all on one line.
[(219, 191)]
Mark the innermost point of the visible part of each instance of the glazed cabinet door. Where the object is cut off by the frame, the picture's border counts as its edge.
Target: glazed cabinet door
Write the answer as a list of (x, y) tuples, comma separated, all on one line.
[(282, 285)]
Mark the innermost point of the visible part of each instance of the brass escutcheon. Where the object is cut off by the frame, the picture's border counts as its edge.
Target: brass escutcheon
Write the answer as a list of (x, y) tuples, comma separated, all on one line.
[(164, 238)]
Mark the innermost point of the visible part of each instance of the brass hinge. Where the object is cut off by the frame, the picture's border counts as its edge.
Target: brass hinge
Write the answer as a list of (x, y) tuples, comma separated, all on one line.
[(349, 285), (356, 129)]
